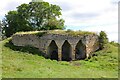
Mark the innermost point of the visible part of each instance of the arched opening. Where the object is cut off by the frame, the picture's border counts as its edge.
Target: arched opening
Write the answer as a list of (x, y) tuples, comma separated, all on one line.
[(66, 51), (80, 51), (53, 50)]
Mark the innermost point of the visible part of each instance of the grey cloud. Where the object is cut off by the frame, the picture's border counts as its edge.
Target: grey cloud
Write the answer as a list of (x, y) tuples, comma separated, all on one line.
[(84, 15), (115, 2), (12, 5), (1, 17), (65, 6)]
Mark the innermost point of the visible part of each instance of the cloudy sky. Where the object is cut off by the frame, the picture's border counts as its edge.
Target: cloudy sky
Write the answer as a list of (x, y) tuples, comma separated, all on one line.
[(88, 15)]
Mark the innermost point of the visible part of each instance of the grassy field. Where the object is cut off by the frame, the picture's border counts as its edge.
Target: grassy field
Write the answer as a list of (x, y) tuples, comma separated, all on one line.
[(22, 62), (0, 60)]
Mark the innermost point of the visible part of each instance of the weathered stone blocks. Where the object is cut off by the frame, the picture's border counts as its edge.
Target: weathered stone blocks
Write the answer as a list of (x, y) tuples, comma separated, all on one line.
[(59, 46)]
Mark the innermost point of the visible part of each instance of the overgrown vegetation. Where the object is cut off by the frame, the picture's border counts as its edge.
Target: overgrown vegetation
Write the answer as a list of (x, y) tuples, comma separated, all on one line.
[(115, 44), (103, 39), (20, 62), (60, 32), (77, 33)]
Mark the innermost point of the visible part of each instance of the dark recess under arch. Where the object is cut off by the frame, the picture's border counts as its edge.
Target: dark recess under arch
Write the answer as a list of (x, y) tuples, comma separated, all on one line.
[(53, 50), (80, 51), (66, 51)]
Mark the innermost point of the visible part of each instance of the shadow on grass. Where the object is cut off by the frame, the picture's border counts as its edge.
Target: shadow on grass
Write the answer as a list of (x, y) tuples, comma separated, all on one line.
[(28, 49)]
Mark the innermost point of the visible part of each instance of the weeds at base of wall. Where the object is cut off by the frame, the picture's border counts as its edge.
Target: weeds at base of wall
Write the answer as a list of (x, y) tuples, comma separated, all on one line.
[(27, 48)]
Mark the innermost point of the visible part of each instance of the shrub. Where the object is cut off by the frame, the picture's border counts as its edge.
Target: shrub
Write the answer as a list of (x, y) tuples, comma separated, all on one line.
[(114, 43), (103, 39)]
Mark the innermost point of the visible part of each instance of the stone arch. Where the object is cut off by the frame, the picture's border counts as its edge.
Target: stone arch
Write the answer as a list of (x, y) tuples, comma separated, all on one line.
[(80, 50), (66, 51), (53, 50)]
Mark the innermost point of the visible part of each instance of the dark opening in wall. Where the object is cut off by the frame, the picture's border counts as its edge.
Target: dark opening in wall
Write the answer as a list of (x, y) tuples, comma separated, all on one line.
[(66, 51), (80, 51), (53, 50)]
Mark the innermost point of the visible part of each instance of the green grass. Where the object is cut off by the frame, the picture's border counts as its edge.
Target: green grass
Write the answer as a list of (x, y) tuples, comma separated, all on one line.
[(0, 60), (63, 32), (22, 62)]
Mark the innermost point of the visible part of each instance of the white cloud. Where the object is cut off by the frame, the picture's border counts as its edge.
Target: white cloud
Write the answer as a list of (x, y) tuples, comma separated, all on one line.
[(111, 30), (7, 5)]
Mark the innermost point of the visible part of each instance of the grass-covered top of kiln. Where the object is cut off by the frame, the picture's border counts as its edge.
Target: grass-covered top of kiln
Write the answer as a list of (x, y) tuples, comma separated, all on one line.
[(61, 32)]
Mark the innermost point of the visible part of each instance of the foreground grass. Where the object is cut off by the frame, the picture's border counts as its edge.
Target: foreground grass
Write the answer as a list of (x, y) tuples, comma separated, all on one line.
[(0, 60), (20, 63)]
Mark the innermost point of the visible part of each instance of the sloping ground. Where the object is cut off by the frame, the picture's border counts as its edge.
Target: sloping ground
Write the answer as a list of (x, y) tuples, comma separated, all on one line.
[(19, 62), (0, 60)]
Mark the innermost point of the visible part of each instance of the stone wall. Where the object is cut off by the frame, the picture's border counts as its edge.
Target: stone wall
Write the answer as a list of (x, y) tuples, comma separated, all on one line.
[(65, 47)]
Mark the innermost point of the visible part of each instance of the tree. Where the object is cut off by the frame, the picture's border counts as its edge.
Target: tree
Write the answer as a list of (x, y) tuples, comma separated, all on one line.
[(33, 16), (40, 14), (0, 30), (0, 27), (54, 24), (13, 23), (103, 39)]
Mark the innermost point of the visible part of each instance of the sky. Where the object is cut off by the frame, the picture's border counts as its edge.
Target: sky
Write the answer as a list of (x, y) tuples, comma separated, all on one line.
[(85, 15)]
